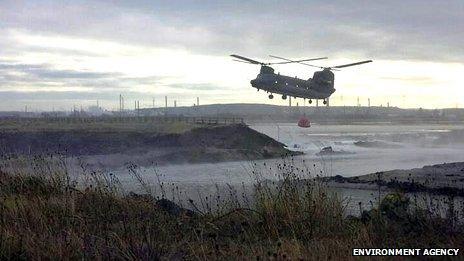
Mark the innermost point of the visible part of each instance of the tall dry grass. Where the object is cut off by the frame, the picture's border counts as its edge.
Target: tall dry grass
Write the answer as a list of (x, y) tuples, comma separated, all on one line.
[(47, 213)]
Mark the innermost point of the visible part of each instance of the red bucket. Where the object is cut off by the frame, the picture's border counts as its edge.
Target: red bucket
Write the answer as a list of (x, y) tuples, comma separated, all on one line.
[(304, 122)]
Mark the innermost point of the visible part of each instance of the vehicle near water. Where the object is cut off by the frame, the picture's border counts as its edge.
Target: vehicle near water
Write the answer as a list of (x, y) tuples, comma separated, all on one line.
[(321, 86), (329, 151)]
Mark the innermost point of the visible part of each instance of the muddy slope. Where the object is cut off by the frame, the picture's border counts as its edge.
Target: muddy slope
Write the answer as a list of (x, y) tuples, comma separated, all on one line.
[(228, 142)]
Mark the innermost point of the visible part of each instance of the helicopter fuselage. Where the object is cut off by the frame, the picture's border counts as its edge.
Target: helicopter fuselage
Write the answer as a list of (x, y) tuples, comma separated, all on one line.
[(321, 86)]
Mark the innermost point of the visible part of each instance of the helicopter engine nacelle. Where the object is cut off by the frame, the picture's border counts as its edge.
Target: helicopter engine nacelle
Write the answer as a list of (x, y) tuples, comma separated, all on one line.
[(323, 80)]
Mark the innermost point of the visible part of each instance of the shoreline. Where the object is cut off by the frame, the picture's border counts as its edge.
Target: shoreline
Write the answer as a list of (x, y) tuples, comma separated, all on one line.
[(440, 179)]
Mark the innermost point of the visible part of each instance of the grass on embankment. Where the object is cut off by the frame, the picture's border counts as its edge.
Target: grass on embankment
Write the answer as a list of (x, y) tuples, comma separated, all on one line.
[(114, 124), (46, 216)]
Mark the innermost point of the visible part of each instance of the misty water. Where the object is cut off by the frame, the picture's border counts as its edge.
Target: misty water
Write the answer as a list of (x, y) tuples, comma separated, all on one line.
[(398, 147)]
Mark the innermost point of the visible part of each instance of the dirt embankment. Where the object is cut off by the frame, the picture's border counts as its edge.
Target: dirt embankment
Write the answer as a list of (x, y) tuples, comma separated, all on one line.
[(204, 144), (444, 179)]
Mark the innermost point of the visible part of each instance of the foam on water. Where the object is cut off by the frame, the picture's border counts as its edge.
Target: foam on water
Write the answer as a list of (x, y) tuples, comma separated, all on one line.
[(416, 150), (411, 154)]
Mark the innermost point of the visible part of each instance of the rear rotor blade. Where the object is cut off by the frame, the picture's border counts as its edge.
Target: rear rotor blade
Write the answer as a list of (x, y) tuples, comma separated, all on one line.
[(245, 59), (351, 64)]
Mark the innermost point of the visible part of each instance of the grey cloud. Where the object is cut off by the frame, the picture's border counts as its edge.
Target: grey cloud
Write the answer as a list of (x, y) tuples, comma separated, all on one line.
[(15, 75), (70, 74), (397, 30), (57, 50), (44, 71), (53, 95), (44, 75), (388, 29)]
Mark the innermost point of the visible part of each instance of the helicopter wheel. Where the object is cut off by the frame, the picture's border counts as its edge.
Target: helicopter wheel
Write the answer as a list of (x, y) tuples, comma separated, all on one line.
[(284, 97), (310, 101), (325, 101), (271, 96)]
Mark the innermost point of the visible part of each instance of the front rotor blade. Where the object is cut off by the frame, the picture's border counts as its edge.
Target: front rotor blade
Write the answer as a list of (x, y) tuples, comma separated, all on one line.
[(295, 61), (235, 60), (282, 58), (351, 64), (312, 65), (245, 59)]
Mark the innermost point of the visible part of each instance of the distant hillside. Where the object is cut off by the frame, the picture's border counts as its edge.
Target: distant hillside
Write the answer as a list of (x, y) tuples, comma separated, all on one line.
[(266, 113), (275, 113)]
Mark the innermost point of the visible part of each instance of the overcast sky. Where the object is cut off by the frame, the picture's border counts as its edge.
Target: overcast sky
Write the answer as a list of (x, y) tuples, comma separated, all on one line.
[(56, 54)]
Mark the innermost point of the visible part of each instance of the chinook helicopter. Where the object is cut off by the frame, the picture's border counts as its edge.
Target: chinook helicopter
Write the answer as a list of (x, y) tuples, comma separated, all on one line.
[(321, 86)]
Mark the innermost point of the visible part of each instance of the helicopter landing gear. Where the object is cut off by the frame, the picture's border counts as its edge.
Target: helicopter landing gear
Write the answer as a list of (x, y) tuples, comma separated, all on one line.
[(284, 97), (310, 101), (325, 102), (271, 96)]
